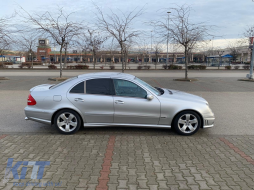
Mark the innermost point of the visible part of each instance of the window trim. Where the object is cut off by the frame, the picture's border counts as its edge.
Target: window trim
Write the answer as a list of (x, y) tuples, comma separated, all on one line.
[(85, 87)]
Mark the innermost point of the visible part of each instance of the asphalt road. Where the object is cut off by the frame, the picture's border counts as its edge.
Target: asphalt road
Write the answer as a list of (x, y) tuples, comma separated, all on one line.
[(139, 73), (230, 100)]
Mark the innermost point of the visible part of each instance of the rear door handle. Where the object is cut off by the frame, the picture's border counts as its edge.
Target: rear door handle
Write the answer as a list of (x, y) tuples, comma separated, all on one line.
[(79, 100), (119, 102)]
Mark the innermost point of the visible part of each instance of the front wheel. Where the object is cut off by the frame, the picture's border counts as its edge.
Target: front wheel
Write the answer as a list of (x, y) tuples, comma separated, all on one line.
[(187, 123), (67, 121)]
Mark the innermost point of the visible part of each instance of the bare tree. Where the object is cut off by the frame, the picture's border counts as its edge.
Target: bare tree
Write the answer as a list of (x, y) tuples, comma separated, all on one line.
[(182, 31), (94, 40), (157, 50), (57, 25), (28, 43), (234, 48), (113, 50), (126, 50), (144, 49), (248, 33), (119, 27), (5, 36)]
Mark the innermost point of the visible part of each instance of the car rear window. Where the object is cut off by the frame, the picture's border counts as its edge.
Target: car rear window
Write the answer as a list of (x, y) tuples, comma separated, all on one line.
[(62, 83)]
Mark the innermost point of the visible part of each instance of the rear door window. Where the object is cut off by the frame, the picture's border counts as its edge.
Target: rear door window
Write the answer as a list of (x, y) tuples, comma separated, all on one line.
[(102, 86)]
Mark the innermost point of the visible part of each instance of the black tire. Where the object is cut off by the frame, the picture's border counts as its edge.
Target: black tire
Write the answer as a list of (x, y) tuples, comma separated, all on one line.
[(179, 127), (76, 119)]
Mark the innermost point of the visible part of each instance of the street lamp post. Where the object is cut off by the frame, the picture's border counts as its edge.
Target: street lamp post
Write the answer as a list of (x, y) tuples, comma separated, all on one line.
[(250, 76), (167, 39), (151, 47)]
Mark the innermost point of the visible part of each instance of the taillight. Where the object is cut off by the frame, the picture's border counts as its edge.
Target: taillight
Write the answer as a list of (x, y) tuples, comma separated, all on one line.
[(30, 100)]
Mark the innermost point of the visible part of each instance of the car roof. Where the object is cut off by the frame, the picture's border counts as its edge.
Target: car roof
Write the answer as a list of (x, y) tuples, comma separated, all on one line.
[(107, 75)]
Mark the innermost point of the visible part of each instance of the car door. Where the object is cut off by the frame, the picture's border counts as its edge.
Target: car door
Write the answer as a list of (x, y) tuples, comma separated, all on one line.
[(94, 99), (131, 105)]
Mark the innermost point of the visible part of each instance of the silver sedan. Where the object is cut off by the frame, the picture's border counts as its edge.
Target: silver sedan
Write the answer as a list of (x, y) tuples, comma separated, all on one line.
[(116, 99)]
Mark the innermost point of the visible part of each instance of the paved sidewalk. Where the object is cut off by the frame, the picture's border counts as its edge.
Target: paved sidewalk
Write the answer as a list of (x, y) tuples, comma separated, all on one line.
[(118, 161)]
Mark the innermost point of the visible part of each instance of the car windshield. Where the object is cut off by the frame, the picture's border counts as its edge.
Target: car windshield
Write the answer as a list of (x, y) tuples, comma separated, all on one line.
[(60, 84), (154, 90)]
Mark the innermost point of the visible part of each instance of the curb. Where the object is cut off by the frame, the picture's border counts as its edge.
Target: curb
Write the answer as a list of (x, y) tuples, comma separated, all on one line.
[(248, 80), (4, 78), (58, 79), (186, 80)]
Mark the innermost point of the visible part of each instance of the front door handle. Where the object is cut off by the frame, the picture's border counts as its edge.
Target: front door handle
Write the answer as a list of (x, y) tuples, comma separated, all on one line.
[(119, 102), (79, 100)]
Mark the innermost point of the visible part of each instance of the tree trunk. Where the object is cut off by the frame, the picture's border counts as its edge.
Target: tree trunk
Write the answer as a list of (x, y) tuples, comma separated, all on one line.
[(186, 63), (61, 68), (122, 60), (156, 62), (32, 60), (94, 60), (219, 63), (65, 56), (125, 61), (2, 62)]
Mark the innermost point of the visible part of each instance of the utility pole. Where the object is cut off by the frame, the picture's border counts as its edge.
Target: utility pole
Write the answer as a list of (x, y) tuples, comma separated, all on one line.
[(167, 39)]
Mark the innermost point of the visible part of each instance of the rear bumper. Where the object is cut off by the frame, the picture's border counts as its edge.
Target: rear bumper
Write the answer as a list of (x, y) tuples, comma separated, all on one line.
[(39, 120), (37, 115)]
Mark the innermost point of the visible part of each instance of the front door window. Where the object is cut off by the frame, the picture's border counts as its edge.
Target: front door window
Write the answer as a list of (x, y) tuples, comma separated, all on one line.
[(128, 89)]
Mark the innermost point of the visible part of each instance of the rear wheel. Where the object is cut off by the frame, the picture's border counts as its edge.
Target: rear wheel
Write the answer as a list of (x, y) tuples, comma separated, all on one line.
[(187, 123), (67, 121)]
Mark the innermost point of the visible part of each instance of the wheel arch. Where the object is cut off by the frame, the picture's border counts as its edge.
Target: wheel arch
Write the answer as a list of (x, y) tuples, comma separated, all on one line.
[(200, 115), (53, 116)]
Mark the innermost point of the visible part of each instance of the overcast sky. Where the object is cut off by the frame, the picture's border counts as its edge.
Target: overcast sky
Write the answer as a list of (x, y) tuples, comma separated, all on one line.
[(230, 17)]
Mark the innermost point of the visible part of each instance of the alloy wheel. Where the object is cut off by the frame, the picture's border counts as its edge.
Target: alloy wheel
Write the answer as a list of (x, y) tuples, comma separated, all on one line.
[(187, 123), (67, 122)]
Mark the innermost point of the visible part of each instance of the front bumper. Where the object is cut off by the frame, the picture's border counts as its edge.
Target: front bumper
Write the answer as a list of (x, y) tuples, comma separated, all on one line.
[(208, 122)]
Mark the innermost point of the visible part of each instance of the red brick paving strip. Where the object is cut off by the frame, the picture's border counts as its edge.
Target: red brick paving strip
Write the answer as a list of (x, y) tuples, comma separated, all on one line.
[(103, 180), (2, 136), (238, 151)]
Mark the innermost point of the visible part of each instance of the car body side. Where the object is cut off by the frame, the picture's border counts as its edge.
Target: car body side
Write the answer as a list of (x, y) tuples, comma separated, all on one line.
[(50, 101)]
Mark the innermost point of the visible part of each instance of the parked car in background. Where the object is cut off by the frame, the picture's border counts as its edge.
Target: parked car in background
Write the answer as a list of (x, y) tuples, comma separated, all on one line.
[(116, 99)]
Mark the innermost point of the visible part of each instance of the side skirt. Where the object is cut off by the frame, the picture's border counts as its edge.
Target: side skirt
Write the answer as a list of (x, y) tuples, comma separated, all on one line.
[(87, 125)]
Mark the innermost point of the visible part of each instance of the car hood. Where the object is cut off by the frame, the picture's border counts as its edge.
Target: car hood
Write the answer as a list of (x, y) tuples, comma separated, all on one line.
[(41, 87), (180, 95)]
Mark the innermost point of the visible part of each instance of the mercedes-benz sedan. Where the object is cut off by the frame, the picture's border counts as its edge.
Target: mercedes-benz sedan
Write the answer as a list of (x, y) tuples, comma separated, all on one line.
[(116, 99)]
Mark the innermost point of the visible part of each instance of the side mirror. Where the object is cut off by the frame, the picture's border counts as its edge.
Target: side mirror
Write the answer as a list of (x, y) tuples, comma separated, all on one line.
[(149, 97)]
